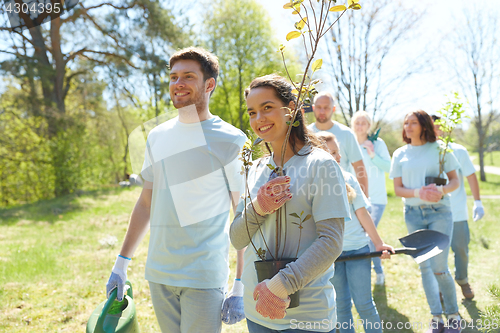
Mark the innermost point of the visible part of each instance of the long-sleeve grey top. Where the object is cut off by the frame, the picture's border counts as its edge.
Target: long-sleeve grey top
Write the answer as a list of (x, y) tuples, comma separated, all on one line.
[(315, 260)]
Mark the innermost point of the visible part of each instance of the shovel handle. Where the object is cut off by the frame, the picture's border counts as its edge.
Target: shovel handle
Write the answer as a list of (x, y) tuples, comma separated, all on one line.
[(404, 250)]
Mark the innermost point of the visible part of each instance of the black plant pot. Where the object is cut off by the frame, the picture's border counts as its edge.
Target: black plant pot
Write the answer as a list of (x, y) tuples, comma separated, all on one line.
[(269, 268), (435, 180)]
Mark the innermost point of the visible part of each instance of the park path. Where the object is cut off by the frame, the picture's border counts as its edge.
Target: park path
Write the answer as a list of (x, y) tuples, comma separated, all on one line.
[(487, 169)]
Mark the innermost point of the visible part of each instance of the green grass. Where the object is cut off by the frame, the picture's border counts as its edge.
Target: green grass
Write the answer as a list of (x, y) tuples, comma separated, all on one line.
[(490, 159), (53, 269)]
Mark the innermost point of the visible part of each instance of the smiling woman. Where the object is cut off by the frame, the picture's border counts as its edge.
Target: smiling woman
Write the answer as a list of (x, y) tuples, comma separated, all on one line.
[(313, 188)]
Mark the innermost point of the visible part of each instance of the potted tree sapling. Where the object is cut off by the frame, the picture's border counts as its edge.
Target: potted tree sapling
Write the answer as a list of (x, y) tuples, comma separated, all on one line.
[(451, 116), (312, 25)]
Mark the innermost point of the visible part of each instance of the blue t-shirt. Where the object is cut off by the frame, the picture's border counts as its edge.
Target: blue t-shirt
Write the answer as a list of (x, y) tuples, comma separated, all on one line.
[(318, 190), (414, 163), (355, 236), (459, 197), (376, 168), (349, 147), (192, 167)]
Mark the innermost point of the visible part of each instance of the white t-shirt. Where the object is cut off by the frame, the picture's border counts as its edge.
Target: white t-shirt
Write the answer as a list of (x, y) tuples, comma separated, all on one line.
[(318, 190), (355, 236), (192, 167), (376, 168), (349, 147), (459, 197), (414, 163)]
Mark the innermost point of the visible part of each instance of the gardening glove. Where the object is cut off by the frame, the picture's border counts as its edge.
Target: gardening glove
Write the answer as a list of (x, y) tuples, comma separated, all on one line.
[(272, 195), (478, 210), (269, 304), (118, 278), (232, 308)]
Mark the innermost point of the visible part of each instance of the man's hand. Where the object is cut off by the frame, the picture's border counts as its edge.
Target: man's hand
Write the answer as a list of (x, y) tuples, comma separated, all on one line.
[(477, 210), (272, 195), (118, 278), (232, 308), (268, 304)]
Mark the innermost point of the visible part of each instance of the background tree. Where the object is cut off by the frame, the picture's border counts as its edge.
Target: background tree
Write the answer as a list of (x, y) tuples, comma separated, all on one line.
[(476, 51), (358, 51), (239, 33), (46, 61)]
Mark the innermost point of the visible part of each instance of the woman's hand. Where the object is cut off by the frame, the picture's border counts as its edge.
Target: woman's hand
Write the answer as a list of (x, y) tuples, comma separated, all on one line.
[(370, 149), (268, 304), (272, 195), (386, 250), (430, 193)]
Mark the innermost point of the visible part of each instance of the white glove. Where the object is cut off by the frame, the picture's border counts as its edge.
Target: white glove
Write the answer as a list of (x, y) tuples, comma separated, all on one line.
[(232, 309), (118, 278), (478, 210)]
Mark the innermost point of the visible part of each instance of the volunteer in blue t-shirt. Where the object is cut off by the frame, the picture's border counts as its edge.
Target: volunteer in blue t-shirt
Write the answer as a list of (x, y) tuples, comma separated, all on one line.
[(191, 172), (316, 205), (461, 236), (428, 207), (377, 162), (352, 158), (352, 280)]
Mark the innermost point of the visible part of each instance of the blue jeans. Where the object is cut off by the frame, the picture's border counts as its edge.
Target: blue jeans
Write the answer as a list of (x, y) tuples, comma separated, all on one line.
[(460, 246), (352, 279), (376, 214), (435, 273), (256, 328)]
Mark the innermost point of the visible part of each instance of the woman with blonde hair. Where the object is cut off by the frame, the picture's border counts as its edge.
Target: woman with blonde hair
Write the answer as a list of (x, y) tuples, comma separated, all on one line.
[(377, 162), (352, 280)]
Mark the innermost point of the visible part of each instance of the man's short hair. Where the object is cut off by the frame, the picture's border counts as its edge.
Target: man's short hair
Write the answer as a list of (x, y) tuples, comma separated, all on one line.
[(434, 117), (209, 62), (324, 94)]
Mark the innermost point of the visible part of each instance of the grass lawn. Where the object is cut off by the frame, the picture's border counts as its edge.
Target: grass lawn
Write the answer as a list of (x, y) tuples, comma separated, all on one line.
[(491, 159), (57, 255)]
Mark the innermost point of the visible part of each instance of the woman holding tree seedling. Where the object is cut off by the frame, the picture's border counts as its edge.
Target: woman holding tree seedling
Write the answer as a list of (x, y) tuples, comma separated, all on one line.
[(312, 192), (427, 206), (352, 280), (377, 162)]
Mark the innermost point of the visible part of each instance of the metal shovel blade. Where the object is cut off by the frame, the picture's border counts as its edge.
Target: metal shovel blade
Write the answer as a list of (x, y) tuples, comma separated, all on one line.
[(421, 245)]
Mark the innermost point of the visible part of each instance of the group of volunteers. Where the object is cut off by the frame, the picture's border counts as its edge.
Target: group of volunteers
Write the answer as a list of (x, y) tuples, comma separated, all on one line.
[(193, 175)]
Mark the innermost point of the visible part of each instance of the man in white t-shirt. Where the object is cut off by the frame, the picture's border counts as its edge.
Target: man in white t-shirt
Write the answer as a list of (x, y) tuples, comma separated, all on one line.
[(352, 157), (192, 174), (461, 236)]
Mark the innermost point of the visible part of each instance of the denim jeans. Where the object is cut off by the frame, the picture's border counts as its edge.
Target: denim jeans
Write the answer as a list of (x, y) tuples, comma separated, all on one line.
[(435, 273), (376, 214), (460, 246), (256, 328), (200, 308), (352, 280)]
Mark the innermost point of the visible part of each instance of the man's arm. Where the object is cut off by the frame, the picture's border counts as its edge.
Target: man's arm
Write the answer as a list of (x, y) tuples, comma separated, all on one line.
[(139, 221), (360, 172), (474, 186)]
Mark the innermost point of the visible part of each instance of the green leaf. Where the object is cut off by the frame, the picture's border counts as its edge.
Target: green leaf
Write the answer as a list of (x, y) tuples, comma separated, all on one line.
[(317, 65), (307, 217), (270, 166), (288, 5), (295, 215), (339, 8), (296, 123), (293, 34), (288, 123), (356, 6), (281, 48), (301, 213), (295, 223)]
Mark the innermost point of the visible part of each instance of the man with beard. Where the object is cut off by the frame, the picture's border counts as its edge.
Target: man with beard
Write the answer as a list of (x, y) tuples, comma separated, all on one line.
[(192, 173), (352, 158)]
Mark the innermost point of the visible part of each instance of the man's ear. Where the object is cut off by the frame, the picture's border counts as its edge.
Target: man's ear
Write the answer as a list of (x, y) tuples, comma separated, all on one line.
[(210, 85), (334, 108)]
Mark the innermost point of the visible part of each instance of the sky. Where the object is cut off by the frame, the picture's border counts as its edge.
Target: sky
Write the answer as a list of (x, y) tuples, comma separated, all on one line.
[(425, 91)]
